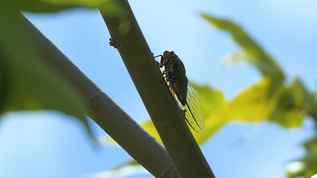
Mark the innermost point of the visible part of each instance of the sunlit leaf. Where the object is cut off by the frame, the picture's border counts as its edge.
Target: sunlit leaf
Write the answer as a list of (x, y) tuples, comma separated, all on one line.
[(290, 111), (288, 118), (211, 99), (253, 104), (29, 83), (310, 102)]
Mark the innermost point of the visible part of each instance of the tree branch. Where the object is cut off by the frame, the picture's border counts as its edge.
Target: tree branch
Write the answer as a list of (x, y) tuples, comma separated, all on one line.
[(110, 117), (164, 112)]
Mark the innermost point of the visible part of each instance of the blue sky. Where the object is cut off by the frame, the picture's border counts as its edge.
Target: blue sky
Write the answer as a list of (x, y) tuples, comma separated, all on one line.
[(50, 144)]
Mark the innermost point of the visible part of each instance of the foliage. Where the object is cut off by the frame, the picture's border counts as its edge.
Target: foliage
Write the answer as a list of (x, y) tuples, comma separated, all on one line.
[(307, 165), (40, 6), (270, 98), (26, 82)]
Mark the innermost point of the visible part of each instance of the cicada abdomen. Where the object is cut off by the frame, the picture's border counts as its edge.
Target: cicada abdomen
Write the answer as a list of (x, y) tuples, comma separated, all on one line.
[(186, 97)]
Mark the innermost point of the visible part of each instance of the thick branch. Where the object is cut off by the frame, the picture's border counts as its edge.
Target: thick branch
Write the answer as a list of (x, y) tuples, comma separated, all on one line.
[(110, 117), (164, 112)]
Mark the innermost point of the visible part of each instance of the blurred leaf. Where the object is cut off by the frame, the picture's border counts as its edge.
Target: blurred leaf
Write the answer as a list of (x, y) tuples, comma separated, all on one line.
[(309, 101), (288, 105), (255, 54), (315, 93), (290, 111), (30, 84), (4, 80), (287, 118), (251, 53), (213, 101), (58, 5), (306, 166), (253, 104), (287, 113), (298, 100)]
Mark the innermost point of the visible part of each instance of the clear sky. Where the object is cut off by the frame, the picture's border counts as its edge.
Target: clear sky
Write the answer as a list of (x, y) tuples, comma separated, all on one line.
[(50, 144)]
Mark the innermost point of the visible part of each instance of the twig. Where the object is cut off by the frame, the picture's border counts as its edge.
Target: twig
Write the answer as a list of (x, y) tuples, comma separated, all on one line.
[(164, 112), (110, 117)]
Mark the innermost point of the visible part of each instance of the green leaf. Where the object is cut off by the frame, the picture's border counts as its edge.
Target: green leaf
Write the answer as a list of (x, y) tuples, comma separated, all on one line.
[(315, 94), (252, 52), (309, 101), (255, 54), (287, 118), (253, 104), (29, 83), (212, 101), (306, 166), (4, 80), (109, 6), (291, 109), (287, 113)]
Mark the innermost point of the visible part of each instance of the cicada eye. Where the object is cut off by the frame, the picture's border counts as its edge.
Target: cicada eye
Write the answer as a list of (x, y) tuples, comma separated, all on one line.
[(165, 53), (172, 52)]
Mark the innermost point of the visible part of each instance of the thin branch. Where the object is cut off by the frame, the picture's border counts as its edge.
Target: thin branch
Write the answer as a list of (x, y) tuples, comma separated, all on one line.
[(164, 112), (110, 117)]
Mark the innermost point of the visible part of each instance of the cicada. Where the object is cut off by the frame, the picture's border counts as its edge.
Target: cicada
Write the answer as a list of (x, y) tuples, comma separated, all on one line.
[(183, 93)]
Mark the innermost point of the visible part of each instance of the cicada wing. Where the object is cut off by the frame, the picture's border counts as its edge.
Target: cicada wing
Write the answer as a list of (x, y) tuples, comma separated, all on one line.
[(194, 110)]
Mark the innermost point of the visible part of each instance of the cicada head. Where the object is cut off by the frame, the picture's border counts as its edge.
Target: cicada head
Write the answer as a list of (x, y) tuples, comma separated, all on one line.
[(166, 57)]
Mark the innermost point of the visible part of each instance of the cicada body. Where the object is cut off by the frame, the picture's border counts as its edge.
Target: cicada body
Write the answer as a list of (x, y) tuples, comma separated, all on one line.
[(186, 97)]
